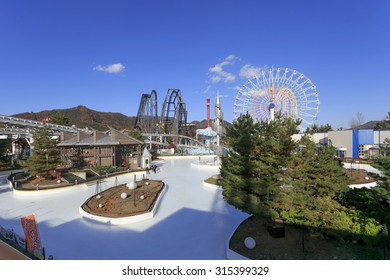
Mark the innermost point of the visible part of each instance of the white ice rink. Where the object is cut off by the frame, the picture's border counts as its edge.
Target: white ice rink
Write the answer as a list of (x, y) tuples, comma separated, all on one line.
[(192, 221)]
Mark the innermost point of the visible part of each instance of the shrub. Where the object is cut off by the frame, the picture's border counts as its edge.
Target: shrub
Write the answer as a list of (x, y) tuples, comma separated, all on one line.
[(105, 169)]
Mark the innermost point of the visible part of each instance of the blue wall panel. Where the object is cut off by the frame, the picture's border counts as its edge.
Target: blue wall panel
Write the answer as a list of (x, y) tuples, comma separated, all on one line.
[(366, 137), (355, 143), (361, 137)]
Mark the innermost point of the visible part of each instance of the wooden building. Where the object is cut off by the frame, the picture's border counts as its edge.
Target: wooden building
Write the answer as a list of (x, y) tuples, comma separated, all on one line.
[(100, 149)]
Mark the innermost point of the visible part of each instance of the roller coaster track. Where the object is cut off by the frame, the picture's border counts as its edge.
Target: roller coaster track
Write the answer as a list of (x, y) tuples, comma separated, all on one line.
[(14, 131), (147, 120), (179, 140), (174, 113), (27, 124), (169, 127), (173, 118)]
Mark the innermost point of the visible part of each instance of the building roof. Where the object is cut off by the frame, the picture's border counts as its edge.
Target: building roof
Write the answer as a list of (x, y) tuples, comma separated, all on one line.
[(146, 153), (206, 132)]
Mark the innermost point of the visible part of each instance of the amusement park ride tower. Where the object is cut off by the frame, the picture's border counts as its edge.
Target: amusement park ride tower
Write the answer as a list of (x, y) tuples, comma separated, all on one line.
[(218, 119), (214, 131), (271, 106)]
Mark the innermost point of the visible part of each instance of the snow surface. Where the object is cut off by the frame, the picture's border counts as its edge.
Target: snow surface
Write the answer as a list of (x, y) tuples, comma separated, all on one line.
[(363, 166), (192, 222)]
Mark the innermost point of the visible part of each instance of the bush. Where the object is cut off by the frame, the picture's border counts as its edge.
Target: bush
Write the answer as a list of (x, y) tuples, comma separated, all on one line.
[(368, 230), (105, 169)]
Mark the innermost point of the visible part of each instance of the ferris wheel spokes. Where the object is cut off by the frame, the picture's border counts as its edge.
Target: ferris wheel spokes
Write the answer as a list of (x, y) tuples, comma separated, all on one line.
[(278, 89)]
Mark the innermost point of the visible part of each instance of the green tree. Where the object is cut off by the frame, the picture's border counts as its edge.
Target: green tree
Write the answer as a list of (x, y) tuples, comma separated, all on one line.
[(383, 163), (5, 147), (236, 168), (385, 124), (322, 128), (137, 135), (317, 183), (254, 169), (268, 174), (374, 203), (45, 153), (60, 118)]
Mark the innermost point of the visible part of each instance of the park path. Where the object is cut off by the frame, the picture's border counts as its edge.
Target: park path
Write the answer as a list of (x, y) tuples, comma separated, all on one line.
[(192, 222), (9, 253)]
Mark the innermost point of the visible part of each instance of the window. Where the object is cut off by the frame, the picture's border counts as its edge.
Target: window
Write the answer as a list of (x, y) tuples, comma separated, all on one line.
[(361, 151)]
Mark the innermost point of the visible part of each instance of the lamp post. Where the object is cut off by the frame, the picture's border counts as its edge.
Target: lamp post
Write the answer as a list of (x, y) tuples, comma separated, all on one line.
[(47, 159), (351, 166)]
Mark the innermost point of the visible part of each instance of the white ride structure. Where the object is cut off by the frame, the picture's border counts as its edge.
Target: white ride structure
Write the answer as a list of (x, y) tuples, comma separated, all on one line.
[(278, 90)]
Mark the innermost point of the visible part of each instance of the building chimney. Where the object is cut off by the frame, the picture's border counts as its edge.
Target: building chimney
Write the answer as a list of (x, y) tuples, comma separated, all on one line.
[(208, 111)]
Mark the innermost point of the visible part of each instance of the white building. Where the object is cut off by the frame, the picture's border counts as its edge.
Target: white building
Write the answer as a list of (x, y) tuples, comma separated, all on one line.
[(353, 143)]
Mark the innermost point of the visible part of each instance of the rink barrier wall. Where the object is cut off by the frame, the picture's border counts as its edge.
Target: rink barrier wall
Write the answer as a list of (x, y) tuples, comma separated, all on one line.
[(126, 220), (365, 185), (54, 190), (230, 254), (211, 186), (205, 166)]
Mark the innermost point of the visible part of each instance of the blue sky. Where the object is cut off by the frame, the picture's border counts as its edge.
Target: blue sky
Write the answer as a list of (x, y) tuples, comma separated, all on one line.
[(105, 54)]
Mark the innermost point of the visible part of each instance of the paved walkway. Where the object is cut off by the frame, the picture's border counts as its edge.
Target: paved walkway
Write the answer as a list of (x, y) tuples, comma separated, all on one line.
[(9, 253), (193, 222)]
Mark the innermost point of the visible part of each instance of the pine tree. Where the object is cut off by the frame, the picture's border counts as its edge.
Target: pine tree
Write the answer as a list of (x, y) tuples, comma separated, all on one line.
[(137, 135), (384, 124), (315, 128), (236, 168), (266, 173), (45, 153), (60, 118), (317, 185), (254, 169), (383, 163)]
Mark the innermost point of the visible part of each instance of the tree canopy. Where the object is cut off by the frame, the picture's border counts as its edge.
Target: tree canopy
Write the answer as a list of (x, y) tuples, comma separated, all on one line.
[(383, 163), (137, 135), (255, 167), (60, 118), (322, 128), (317, 185), (268, 174), (45, 154), (384, 124)]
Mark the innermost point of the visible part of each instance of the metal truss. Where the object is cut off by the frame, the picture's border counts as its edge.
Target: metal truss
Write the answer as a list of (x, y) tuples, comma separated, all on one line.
[(147, 119), (174, 113)]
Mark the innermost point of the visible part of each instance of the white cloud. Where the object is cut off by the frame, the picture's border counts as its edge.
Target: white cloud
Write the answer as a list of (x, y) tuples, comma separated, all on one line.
[(207, 89), (216, 79), (231, 57), (249, 71), (223, 96), (218, 72), (236, 88), (230, 78), (112, 69)]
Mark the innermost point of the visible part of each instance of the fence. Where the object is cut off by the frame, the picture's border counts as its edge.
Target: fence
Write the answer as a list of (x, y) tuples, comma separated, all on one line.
[(19, 243)]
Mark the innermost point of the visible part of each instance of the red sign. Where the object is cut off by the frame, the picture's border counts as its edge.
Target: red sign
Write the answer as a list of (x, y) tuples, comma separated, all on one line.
[(30, 229)]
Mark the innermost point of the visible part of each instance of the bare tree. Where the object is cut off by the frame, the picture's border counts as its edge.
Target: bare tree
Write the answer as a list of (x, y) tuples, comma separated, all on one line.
[(359, 119)]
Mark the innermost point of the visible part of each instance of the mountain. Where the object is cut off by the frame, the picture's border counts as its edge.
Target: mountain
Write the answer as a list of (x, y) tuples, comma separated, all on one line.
[(82, 116), (367, 125)]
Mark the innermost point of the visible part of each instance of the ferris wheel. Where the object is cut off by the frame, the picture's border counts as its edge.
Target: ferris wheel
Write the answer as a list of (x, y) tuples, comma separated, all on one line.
[(278, 90)]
